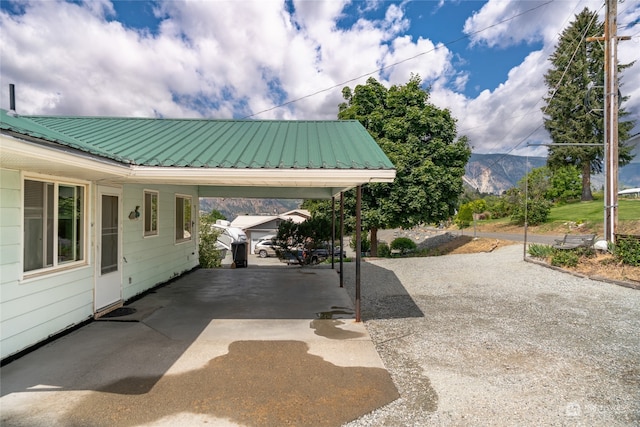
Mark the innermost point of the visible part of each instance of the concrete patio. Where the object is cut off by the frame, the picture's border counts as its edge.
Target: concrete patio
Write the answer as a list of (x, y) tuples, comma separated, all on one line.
[(267, 345)]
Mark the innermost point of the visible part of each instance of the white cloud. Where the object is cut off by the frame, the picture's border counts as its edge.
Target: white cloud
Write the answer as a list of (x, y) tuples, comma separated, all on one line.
[(510, 116), (503, 119), (501, 23), (225, 58)]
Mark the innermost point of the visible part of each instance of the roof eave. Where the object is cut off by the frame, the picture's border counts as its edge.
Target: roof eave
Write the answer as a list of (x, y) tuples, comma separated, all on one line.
[(260, 176)]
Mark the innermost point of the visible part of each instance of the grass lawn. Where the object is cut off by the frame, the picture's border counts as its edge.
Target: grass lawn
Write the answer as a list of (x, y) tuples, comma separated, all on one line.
[(628, 209), (565, 218)]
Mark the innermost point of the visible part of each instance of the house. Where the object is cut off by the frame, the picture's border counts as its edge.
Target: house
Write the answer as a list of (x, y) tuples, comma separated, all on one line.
[(257, 227), (97, 210)]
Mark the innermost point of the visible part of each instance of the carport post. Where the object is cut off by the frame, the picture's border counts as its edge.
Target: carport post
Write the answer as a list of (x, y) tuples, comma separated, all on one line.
[(341, 238), (333, 232), (358, 249)]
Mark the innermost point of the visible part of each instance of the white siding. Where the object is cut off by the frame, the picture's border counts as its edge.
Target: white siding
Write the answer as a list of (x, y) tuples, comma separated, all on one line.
[(156, 259), (34, 309)]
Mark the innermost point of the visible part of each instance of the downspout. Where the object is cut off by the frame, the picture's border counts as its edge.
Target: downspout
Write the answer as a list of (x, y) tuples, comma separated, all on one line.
[(12, 99)]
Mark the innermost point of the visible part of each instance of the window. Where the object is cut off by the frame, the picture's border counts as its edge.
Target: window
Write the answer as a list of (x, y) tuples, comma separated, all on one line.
[(183, 218), (54, 224), (150, 213)]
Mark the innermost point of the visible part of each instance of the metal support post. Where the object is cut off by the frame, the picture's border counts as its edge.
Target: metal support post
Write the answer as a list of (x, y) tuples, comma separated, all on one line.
[(333, 232), (341, 239), (358, 249)]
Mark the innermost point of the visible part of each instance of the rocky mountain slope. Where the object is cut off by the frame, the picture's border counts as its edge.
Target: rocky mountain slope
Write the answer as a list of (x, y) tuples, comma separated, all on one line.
[(495, 173), (231, 208), (488, 173)]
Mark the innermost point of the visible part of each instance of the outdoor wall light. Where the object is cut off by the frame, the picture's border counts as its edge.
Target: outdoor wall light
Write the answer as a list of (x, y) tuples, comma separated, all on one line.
[(134, 214)]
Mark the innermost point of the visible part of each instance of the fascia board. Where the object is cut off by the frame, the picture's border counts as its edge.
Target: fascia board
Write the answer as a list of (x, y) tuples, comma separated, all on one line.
[(17, 153), (272, 177)]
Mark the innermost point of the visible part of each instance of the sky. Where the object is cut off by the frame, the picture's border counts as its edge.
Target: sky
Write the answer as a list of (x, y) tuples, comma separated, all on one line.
[(290, 59)]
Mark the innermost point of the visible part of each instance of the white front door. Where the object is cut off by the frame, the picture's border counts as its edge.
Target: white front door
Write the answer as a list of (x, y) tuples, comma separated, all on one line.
[(108, 289)]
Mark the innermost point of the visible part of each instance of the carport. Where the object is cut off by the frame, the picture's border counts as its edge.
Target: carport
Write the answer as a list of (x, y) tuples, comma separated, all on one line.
[(224, 158)]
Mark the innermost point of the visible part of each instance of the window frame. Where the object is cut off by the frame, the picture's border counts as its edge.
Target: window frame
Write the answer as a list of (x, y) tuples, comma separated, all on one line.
[(152, 231), (181, 218), (51, 226)]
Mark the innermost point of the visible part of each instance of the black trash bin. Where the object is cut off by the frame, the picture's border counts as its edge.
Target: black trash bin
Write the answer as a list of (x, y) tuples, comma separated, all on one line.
[(239, 252)]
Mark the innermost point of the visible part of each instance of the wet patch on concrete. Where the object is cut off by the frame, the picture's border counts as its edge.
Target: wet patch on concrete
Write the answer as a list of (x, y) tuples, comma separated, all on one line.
[(337, 313), (331, 329), (119, 312), (129, 314), (266, 383)]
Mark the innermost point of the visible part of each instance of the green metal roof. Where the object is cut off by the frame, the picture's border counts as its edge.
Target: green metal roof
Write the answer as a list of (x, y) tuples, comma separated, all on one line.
[(203, 143)]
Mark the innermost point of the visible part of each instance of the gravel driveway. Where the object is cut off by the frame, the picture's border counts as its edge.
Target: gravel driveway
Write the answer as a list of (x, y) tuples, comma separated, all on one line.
[(490, 340)]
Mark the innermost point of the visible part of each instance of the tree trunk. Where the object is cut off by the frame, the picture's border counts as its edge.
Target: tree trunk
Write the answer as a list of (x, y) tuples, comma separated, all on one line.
[(586, 182), (374, 242)]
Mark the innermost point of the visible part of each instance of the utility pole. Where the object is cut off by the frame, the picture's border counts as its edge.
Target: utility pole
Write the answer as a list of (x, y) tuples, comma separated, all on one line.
[(611, 121), (611, 104)]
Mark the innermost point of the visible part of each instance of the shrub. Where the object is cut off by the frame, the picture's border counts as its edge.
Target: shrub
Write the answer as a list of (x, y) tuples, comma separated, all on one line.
[(383, 250), (464, 216), (537, 212), (209, 256), (365, 244), (499, 207), (565, 258), (540, 251), (627, 251), (403, 244)]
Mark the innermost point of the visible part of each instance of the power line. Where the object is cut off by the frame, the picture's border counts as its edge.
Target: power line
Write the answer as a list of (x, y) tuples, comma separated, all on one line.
[(555, 90), (342, 84)]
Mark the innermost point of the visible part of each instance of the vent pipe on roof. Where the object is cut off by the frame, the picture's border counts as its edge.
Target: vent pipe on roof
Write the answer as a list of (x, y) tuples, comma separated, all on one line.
[(12, 98)]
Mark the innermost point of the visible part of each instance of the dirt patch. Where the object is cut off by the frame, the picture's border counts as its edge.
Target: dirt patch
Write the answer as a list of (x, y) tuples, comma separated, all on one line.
[(470, 245), (597, 266)]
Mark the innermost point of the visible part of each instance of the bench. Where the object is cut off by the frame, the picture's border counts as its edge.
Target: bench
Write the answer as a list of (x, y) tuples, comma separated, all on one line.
[(627, 237), (573, 241)]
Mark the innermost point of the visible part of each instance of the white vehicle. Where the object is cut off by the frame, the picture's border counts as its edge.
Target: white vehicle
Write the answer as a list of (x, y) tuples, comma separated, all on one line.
[(229, 235)]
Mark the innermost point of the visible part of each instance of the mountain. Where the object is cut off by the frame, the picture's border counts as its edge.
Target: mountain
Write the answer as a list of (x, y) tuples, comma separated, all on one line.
[(488, 173), (231, 208), (495, 173)]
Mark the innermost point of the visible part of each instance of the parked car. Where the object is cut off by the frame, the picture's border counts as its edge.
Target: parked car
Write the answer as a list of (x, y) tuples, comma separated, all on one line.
[(293, 256), (338, 252), (318, 255), (265, 248)]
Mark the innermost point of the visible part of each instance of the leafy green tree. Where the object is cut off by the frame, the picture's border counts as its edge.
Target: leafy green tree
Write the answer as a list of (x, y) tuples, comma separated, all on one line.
[(421, 140), (498, 206), (212, 216), (467, 210), (529, 198), (307, 235), (465, 216), (564, 184), (573, 111)]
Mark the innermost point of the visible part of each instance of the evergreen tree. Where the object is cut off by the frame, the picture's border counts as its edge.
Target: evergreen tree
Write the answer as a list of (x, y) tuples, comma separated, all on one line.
[(575, 101)]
